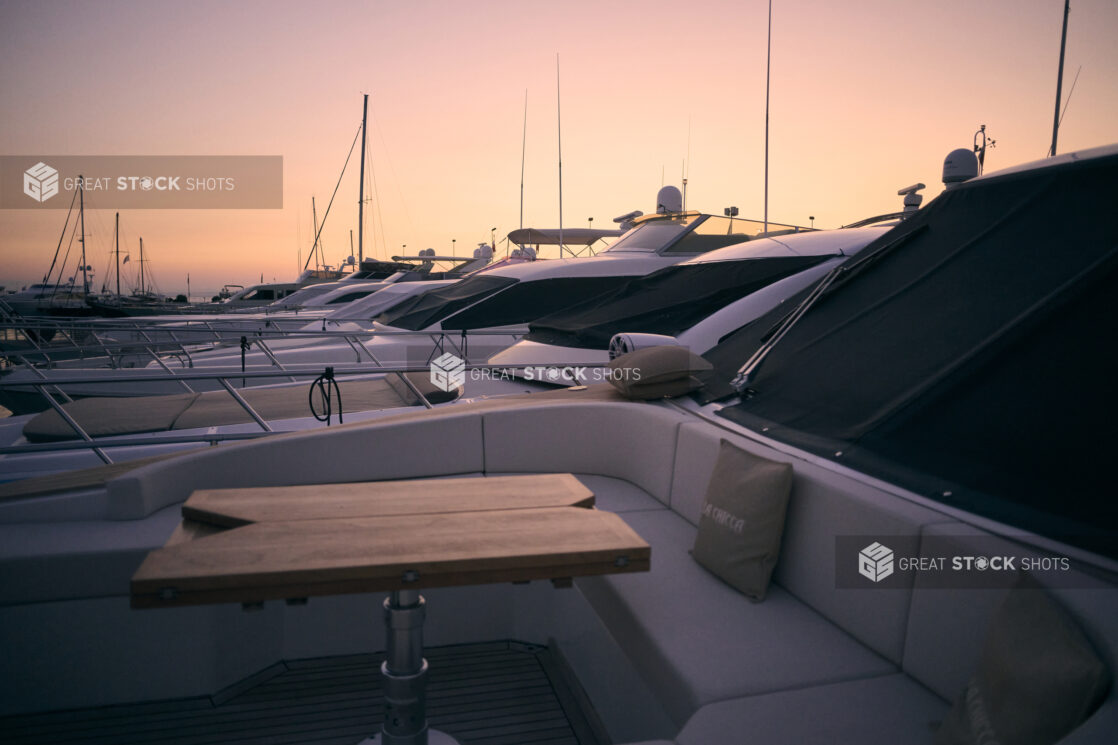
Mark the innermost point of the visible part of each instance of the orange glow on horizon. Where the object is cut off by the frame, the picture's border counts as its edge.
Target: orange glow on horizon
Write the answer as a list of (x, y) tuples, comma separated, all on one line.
[(865, 100)]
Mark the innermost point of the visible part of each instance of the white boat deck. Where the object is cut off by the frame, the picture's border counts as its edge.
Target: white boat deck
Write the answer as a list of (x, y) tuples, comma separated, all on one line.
[(499, 693)]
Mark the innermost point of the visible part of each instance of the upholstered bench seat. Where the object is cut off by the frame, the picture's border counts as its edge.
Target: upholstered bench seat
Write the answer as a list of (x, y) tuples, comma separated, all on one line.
[(886, 709), (696, 640)]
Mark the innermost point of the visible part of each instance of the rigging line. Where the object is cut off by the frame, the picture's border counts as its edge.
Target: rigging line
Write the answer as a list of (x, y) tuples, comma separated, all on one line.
[(65, 225), (395, 181), (109, 264), (1070, 92), (66, 258), (377, 200), (331, 203)]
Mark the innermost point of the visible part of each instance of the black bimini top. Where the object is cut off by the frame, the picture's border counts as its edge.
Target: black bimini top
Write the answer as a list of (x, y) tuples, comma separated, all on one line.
[(665, 302), (968, 355)]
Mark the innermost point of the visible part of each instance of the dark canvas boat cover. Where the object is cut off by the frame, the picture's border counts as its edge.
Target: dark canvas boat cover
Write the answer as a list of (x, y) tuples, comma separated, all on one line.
[(665, 302), (420, 311), (972, 360), (486, 301)]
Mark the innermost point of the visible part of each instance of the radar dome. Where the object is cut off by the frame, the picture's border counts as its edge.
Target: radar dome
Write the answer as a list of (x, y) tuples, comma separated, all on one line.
[(959, 166), (669, 199)]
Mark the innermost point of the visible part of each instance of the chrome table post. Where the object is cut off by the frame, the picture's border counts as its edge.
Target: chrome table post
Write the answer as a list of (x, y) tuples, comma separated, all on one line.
[(405, 675)]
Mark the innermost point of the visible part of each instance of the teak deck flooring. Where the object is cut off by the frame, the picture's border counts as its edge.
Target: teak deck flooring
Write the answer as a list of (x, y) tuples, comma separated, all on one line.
[(499, 693)]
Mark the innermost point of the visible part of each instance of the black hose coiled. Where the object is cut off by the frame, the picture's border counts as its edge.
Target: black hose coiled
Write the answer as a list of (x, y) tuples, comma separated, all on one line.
[(245, 344), (327, 387)]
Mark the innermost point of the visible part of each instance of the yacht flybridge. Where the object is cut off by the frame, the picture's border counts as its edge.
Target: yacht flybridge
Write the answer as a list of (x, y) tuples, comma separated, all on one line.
[(880, 513)]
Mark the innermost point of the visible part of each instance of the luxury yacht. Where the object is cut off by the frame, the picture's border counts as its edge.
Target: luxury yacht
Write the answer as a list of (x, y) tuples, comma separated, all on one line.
[(472, 318), (881, 513), (732, 285), (694, 303)]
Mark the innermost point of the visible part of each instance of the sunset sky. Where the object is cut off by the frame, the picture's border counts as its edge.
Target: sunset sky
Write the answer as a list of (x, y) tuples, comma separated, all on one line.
[(868, 96)]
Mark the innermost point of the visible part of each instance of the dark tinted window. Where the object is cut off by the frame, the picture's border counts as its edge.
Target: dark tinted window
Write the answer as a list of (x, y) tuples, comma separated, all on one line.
[(420, 311), (528, 301), (351, 296), (666, 302)]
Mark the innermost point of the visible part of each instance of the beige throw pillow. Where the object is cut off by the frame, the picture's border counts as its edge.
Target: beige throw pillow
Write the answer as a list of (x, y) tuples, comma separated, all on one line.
[(1037, 680), (742, 520)]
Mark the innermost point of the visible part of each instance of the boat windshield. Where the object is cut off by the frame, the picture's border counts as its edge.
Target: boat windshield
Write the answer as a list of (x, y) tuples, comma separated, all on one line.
[(420, 311), (528, 301), (653, 232), (692, 233)]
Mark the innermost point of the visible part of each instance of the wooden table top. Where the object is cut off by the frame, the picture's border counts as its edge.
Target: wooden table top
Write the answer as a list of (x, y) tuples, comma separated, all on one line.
[(230, 508), (352, 547)]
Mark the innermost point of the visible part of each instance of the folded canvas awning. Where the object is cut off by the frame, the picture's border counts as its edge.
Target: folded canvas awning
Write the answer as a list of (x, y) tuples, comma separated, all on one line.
[(550, 236)]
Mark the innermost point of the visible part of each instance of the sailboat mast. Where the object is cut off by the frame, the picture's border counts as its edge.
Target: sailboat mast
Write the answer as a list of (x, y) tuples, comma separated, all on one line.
[(116, 232), (1060, 79), (81, 214), (361, 187), (314, 248), (141, 266)]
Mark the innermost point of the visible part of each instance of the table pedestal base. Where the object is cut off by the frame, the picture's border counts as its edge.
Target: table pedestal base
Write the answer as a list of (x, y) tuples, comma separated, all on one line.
[(434, 737), (405, 675)]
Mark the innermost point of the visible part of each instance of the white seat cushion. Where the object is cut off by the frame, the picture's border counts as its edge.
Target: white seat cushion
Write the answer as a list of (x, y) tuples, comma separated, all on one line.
[(631, 441), (885, 709), (716, 645)]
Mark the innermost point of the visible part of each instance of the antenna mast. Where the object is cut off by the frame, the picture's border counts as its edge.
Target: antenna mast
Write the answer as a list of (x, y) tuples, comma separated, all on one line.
[(361, 187), (523, 154), (768, 65), (687, 164), (314, 248), (1060, 79), (559, 119)]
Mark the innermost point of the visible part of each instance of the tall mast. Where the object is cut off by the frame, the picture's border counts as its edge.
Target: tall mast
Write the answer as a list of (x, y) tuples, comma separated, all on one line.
[(314, 248), (141, 267), (81, 214), (361, 187), (768, 65), (559, 127), (523, 153), (1060, 79), (116, 232)]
